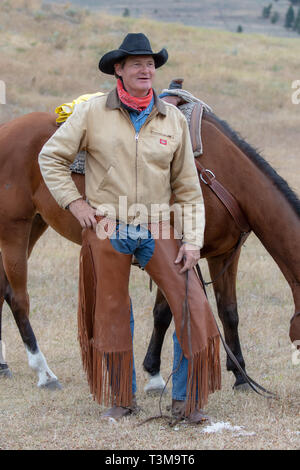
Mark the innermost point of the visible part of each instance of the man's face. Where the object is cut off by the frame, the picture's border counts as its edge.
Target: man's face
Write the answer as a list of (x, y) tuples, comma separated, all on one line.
[(138, 73)]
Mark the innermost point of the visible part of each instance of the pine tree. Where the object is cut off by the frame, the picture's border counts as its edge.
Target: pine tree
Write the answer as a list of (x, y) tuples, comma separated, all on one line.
[(275, 17), (296, 26), (289, 17), (267, 11)]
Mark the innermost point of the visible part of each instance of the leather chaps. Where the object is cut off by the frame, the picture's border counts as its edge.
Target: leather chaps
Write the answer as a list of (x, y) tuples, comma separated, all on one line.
[(104, 316)]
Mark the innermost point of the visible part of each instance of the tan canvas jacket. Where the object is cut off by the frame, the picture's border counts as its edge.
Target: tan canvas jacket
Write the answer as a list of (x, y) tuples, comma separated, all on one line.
[(146, 167)]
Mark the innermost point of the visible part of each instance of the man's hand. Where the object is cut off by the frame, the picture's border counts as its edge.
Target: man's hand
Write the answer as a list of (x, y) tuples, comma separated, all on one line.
[(191, 256), (84, 213)]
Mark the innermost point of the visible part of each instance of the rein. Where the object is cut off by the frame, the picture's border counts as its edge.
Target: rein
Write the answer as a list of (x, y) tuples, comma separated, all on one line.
[(254, 385), (186, 319), (233, 207)]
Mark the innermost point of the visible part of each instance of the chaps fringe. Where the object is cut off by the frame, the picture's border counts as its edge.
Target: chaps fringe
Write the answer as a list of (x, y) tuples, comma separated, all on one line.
[(109, 374), (86, 307), (204, 376), (111, 381)]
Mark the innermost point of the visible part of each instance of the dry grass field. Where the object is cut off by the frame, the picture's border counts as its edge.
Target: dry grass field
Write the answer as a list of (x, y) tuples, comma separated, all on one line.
[(217, 14), (47, 58)]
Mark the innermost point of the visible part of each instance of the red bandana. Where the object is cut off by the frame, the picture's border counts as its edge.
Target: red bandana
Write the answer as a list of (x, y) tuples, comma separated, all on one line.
[(133, 102)]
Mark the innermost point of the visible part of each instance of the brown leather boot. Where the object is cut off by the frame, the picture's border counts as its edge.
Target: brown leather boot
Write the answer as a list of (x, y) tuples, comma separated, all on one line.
[(118, 412), (196, 417)]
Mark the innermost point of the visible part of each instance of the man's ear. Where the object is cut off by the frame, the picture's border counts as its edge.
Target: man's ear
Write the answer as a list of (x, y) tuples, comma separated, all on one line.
[(118, 69)]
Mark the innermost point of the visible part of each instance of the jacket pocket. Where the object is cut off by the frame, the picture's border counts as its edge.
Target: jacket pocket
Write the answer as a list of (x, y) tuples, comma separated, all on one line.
[(160, 148), (161, 134)]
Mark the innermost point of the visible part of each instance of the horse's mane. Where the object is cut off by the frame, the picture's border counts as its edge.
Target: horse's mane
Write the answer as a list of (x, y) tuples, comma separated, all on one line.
[(258, 160)]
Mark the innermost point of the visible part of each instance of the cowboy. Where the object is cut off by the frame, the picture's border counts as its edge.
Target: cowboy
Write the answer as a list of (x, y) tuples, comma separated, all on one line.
[(138, 153)]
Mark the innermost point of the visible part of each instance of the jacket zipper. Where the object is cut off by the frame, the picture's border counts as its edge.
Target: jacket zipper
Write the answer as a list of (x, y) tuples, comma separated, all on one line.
[(136, 164), (137, 134), (149, 118)]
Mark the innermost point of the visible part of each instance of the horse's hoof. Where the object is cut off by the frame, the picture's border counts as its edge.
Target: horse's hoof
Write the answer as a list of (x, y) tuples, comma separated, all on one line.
[(244, 387), (53, 385), (155, 385), (6, 373)]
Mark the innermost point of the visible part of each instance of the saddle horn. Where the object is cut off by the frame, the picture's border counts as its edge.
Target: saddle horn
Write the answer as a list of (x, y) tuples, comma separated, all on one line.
[(176, 84)]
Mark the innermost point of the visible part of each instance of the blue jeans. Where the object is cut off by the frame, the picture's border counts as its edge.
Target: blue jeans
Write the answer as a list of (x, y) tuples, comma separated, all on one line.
[(179, 378), (132, 333), (137, 240)]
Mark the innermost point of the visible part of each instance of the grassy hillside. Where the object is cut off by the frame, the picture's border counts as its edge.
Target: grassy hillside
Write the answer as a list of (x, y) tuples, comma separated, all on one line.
[(221, 14)]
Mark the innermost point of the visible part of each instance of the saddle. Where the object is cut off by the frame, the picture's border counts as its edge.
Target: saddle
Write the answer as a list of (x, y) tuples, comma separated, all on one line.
[(192, 108)]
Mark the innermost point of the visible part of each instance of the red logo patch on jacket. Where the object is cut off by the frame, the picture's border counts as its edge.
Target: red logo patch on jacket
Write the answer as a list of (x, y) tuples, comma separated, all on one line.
[(163, 141)]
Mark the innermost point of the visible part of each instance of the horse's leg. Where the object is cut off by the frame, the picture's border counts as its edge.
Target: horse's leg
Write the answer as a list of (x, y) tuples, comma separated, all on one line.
[(15, 252), (162, 318), (225, 293), (4, 370), (37, 229)]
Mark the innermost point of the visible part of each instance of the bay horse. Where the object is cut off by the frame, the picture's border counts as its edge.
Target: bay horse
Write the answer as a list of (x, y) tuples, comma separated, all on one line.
[(27, 209)]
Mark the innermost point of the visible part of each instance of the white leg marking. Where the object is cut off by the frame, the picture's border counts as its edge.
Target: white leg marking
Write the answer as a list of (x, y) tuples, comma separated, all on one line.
[(38, 363), (156, 383), (2, 353)]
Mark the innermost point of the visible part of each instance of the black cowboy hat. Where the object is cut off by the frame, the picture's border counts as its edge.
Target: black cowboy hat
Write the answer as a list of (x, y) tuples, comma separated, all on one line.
[(133, 44)]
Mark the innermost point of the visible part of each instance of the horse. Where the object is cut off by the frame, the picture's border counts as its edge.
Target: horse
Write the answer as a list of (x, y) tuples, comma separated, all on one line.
[(27, 209)]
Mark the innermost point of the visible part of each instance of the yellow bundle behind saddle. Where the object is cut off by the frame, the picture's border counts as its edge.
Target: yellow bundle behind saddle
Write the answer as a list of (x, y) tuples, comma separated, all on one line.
[(65, 110)]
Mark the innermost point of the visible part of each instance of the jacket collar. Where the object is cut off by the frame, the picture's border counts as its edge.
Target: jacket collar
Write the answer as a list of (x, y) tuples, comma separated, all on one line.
[(113, 102)]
